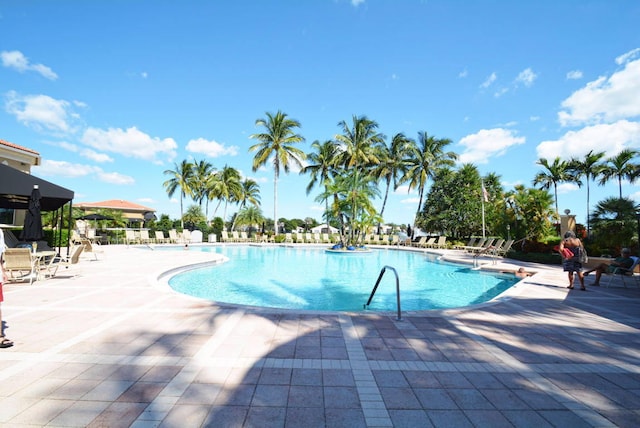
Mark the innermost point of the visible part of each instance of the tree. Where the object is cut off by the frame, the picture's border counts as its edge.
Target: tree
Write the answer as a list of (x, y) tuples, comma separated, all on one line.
[(392, 164), (321, 166), (425, 158), (359, 142), (194, 216), (202, 170), (590, 168), (535, 211), (557, 172), (277, 145), (249, 216), (181, 178), (225, 186), (614, 223), (620, 166), (249, 193)]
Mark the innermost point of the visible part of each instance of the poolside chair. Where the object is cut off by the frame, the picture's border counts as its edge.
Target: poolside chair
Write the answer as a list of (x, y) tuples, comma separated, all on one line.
[(384, 240), (144, 237), (316, 238), (160, 239), (224, 235), (395, 240), (428, 243), (481, 245), (130, 237), (244, 237), (173, 236), (186, 236), (89, 247), (66, 262), (288, 238), (471, 243), (505, 248), (325, 238), (235, 236), (440, 243), (420, 243), (623, 273), (19, 264)]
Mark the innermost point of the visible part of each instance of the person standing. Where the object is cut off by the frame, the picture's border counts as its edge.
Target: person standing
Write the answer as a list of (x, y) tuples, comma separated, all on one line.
[(4, 342), (571, 260)]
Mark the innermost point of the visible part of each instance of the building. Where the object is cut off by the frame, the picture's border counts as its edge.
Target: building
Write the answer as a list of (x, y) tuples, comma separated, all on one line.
[(22, 159), (133, 213)]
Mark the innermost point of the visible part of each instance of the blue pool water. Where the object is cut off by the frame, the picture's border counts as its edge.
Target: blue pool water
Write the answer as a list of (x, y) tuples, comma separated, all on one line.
[(311, 279)]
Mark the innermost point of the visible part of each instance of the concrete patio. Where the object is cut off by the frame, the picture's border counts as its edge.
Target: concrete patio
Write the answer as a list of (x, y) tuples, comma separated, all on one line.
[(111, 347)]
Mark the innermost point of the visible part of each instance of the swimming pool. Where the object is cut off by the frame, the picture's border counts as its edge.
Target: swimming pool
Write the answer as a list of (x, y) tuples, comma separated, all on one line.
[(310, 279)]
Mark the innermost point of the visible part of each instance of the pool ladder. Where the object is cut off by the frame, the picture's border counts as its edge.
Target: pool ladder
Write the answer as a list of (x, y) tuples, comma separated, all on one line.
[(375, 287)]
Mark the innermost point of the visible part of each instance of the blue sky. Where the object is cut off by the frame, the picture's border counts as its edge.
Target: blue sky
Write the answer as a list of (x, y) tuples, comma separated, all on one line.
[(112, 93)]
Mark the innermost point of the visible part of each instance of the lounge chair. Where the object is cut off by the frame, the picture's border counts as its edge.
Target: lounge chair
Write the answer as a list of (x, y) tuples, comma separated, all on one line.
[(471, 243), (481, 245), (144, 237), (235, 236), (66, 262), (420, 243), (160, 239), (325, 238), (130, 237), (224, 235), (440, 243), (244, 237), (505, 248), (288, 239), (19, 261), (173, 236), (89, 247), (384, 240), (299, 238), (395, 240), (623, 273), (186, 236)]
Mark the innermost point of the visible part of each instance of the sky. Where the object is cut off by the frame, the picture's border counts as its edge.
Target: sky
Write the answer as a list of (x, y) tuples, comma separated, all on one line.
[(112, 93)]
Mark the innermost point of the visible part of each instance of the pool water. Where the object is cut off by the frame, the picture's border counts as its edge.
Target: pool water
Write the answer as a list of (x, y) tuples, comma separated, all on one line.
[(311, 279)]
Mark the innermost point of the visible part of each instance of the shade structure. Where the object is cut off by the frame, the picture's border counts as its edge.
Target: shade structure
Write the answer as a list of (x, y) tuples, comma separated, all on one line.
[(95, 217), (16, 186), (32, 230)]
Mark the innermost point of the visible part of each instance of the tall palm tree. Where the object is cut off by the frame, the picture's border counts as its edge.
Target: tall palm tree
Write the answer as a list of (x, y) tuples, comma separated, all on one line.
[(321, 165), (620, 166), (554, 173), (589, 168), (181, 177), (249, 193), (359, 142), (277, 145), (392, 164), (202, 170), (225, 187), (425, 158)]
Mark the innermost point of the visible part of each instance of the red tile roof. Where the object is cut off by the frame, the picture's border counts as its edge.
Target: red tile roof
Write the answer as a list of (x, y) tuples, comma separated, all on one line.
[(15, 146), (116, 204)]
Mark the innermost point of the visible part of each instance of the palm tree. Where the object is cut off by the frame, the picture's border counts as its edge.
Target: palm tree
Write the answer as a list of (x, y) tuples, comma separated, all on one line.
[(590, 168), (425, 158), (359, 142), (181, 177), (614, 223), (321, 166), (557, 172), (225, 186), (202, 170), (392, 164), (249, 192), (248, 216), (277, 145), (620, 166)]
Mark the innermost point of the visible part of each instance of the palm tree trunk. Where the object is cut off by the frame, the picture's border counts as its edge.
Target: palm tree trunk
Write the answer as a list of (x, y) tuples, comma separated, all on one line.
[(275, 203)]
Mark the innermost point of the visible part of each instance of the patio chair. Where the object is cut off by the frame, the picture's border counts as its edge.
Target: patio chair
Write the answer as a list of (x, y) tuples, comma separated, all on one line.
[(224, 235), (185, 236), (144, 237), (420, 243), (395, 240), (288, 239), (471, 243), (623, 273), (325, 238), (66, 262), (235, 236), (173, 236), (308, 238), (316, 238), (160, 239), (299, 238), (130, 237), (505, 248), (440, 243), (89, 247), (19, 261), (244, 237)]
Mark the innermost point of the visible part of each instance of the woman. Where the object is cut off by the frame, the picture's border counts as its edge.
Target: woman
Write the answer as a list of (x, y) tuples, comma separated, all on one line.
[(571, 260)]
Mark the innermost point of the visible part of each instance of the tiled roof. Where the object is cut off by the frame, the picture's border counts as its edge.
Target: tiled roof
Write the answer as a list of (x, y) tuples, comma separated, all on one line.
[(15, 146), (115, 204)]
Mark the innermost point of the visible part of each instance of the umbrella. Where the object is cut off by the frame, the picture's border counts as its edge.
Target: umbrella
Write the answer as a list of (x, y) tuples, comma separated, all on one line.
[(409, 231), (95, 217), (32, 230)]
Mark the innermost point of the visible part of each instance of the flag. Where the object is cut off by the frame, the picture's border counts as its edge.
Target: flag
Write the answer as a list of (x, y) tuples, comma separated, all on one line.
[(485, 194)]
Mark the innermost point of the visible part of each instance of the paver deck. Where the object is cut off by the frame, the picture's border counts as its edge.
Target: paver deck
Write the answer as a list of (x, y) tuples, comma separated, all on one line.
[(112, 348)]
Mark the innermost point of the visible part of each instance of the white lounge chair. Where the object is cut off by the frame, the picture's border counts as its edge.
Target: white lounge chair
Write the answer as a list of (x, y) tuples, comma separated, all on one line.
[(66, 262), (160, 239), (19, 264)]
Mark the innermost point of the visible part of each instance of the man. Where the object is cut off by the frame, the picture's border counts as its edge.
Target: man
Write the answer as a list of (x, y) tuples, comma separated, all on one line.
[(4, 342), (571, 259), (624, 262)]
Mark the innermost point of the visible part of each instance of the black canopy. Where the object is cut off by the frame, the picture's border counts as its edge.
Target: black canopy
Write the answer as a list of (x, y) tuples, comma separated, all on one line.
[(16, 187)]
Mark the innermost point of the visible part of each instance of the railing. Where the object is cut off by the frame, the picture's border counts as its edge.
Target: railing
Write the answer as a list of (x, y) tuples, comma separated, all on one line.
[(375, 287)]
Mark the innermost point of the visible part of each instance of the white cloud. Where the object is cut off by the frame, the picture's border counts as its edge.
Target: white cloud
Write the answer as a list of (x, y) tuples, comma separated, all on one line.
[(95, 156), (606, 99), (526, 77), (574, 75), (115, 178), (492, 78), (486, 143), (17, 61), (608, 138), (500, 92), (357, 2), (211, 148), (635, 53), (64, 169), (567, 188), (464, 73), (412, 201), (130, 143), (41, 112), (144, 74)]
